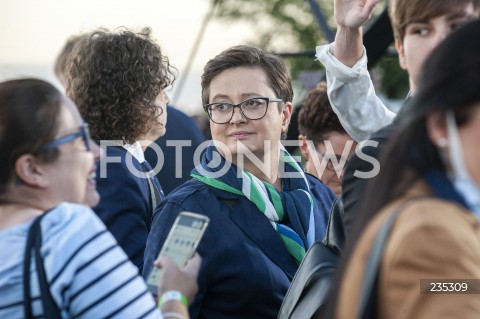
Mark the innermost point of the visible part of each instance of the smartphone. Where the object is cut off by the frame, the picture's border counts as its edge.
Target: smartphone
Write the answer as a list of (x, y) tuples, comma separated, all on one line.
[(181, 243)]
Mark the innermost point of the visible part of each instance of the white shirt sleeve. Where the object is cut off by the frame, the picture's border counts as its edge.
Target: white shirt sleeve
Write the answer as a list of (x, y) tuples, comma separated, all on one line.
[(352, 95)]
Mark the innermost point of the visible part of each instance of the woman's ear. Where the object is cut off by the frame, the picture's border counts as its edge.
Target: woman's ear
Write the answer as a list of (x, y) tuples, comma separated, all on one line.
[(303, 144), (30, 172), (437, 129)]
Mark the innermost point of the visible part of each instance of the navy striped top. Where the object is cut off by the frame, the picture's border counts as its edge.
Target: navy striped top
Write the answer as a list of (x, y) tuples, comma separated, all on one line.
[(89, 274)]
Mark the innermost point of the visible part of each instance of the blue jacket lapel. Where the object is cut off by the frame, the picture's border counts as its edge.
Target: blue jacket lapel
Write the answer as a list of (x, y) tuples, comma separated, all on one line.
[(256, 229)]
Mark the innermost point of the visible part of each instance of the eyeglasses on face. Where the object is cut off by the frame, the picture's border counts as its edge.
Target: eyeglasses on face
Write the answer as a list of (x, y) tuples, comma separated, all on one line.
[(252, 108), (83, 132), (330, 164)]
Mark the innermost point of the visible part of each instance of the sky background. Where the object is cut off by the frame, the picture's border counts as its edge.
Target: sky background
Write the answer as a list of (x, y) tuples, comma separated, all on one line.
[(32, 32)]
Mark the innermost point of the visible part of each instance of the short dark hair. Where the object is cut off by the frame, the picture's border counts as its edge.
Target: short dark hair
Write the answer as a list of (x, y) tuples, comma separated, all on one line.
[(114, 78), (29, 111), (316, 118), (253, 57)]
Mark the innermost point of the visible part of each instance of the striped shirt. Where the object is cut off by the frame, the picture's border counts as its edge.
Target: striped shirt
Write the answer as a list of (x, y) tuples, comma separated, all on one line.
[(89, 274)]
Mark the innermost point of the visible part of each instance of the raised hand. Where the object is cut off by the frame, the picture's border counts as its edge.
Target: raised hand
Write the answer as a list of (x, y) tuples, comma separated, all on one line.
[(353, 13), (350, 15)]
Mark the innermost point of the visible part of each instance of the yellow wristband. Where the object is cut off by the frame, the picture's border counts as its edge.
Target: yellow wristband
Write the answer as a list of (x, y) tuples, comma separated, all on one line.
[(172, 295)]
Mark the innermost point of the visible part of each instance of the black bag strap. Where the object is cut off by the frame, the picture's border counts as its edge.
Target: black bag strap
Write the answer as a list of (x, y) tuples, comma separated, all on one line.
[(368, 293), (34, 242), (335, 234), (154, 196), (27, 305)]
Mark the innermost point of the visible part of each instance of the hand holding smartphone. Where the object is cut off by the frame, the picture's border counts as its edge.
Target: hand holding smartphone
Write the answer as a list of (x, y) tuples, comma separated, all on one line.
[(181, 243)]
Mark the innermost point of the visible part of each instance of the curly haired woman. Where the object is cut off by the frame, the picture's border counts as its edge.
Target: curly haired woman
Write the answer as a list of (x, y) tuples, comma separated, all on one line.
[(117, 79)]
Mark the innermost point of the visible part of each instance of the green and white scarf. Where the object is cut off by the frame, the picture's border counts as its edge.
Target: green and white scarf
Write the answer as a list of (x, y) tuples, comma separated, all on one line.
[(296, 201)]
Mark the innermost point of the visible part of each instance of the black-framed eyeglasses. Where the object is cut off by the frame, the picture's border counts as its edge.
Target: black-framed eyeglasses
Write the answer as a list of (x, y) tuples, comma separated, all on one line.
[(330, 164), (83, 132), (253, 109)]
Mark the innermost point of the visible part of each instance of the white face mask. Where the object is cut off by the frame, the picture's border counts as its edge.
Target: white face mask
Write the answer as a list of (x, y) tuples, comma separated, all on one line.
[(462, 181)]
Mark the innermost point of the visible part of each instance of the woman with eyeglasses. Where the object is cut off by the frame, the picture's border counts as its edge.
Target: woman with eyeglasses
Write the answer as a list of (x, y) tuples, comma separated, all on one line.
[(47, 169), (264, 211), (323, 141), (118, 80)]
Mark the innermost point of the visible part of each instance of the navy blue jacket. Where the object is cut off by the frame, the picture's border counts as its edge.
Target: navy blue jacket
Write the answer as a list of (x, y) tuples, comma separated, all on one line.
[(180, 126), (246, 268), (125, 204)]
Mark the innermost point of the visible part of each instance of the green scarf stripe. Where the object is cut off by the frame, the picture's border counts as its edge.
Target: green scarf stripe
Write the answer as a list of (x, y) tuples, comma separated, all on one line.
[(297, 251), (217, 184), (270, 201), (276, 200), (285, 157), (255, 195)]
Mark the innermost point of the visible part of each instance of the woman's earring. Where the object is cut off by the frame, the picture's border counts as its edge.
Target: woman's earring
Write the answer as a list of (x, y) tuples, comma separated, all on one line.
[(442, 142)]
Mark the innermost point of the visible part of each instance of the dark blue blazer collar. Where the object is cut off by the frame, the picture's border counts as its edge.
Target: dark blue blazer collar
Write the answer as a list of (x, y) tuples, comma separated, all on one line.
[(272, 246), (255, 228), (244, 214), (443, 188)]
